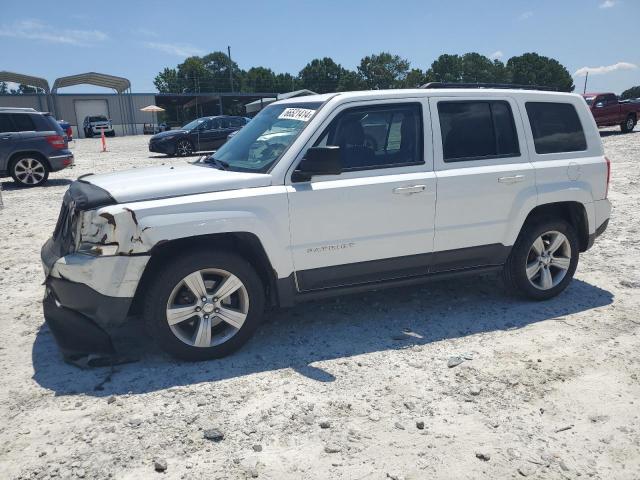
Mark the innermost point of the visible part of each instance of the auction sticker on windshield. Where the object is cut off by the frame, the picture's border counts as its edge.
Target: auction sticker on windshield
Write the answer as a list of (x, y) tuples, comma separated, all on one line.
[(301, 114)]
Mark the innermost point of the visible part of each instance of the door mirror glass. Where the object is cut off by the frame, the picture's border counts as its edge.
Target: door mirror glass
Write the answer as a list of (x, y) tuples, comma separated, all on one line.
[(318, 161), (599, 104)]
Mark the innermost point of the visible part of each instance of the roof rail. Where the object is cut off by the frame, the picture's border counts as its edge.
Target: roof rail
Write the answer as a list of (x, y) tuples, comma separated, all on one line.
[(488, 85), (19, 109)]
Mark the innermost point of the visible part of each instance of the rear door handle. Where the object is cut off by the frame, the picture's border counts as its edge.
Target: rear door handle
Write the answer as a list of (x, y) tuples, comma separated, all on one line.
[(8, 137), (513, 179), (411, 189)]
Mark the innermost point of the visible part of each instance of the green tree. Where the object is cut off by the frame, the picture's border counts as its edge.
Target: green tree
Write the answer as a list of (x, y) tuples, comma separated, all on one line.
[(534, 69), (468, 68), (477, 68), (446, 68), (285, 82), (351, 81), (218, 65), (193, 76), (259, 79), (167, 81), (321, 75), (500, 72), (633, 92), (383, 70), (415, 79)]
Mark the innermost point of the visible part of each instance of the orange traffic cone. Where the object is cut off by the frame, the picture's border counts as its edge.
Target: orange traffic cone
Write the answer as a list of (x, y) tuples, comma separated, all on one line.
[(104, 142)]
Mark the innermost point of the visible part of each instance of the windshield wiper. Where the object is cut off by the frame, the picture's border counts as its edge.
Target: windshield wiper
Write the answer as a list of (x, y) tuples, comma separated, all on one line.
[(220, 164)]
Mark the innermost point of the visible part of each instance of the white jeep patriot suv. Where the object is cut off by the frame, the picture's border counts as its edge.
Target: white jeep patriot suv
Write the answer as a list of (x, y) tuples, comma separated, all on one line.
[(325, 195)]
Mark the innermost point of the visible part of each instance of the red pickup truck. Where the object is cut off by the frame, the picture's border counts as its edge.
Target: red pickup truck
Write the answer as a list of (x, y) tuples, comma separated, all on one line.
[(608, 111)]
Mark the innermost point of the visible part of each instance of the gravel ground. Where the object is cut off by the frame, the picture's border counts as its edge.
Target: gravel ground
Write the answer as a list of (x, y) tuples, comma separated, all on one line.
[(357, 387)]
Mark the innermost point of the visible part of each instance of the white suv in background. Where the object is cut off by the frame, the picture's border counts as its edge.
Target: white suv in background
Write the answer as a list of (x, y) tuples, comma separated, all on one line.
[(326, 195), (97, 124)]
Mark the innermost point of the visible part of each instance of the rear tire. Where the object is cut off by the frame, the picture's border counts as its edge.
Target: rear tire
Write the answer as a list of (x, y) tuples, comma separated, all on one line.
[(29, 170), (111, 134), (534, 269), (628, 125), (190, 328)]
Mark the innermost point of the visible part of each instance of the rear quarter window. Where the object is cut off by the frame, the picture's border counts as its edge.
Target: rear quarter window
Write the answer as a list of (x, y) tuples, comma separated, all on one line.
[(556, 127), (23, 122)]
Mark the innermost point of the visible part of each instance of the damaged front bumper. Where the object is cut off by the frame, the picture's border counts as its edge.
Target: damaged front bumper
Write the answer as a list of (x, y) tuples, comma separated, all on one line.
[(86, 296)]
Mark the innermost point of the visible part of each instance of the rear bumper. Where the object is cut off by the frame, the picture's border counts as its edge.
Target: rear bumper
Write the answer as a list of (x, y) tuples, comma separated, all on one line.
[(74, 312), (61, 160), (599, 231)]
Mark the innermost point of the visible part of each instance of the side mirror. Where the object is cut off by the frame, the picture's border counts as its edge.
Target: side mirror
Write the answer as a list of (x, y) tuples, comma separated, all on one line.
[(318, 161), (599, 104)]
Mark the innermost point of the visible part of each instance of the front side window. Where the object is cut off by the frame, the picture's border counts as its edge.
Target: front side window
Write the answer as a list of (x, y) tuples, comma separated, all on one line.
[(23, 122), (237, 122), (261, 143), (377, 137), (212, 124), (556, 127), (193, 124), (477, 130)]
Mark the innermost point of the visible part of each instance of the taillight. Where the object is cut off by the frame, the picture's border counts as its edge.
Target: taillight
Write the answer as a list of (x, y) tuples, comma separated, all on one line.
[(56, 141), (606, 192), (69, 132)]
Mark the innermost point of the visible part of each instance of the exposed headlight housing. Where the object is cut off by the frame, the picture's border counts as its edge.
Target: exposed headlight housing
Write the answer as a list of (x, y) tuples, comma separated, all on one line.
[(96, 249)]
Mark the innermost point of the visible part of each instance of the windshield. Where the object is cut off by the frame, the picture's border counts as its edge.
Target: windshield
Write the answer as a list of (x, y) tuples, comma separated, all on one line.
[(264, 139), (99, 118), (193, 124)]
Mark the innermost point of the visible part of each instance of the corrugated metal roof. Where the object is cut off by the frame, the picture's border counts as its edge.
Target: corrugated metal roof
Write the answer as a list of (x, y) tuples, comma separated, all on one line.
[(119, 84), (24, 79)]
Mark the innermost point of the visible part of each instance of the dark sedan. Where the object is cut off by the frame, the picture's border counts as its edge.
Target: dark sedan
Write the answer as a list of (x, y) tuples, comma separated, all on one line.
[(202, 134)]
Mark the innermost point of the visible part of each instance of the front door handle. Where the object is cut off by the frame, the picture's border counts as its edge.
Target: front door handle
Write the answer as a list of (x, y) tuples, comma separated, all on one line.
[(513, 179), (411, 189)]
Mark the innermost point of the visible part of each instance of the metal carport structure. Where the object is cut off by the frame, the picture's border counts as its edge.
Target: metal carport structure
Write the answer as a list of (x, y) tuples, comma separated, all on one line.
[(121, 85), (30, 80)]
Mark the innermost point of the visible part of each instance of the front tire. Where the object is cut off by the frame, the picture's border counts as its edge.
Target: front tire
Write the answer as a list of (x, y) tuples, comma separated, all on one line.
[(184, 148), (204, 305), (29, 170), (628, 125), (543, 260)]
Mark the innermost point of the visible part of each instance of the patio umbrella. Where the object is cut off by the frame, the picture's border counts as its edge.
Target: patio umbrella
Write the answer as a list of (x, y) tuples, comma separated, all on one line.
[(153, 109)]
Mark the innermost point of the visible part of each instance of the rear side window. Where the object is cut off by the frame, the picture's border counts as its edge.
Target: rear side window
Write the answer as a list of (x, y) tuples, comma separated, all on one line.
[(477, 130), (556, 127), (23, 122), (6, 125)]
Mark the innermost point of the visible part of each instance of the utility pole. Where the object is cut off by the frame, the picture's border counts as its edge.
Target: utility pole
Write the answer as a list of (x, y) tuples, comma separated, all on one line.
[(586, 77), (230, 68)]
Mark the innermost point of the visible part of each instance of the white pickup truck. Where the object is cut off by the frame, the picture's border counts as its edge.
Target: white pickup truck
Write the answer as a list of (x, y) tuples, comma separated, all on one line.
[(326, 195)]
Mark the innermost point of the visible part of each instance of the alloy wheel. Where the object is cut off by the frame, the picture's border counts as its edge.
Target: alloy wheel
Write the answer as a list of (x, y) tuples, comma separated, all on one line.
[(184, 148), (30, 171), (548, 260), (207, 307), (630, 123)]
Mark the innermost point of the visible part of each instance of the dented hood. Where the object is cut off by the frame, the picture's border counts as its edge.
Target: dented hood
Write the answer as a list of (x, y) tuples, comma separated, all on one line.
[(170, 181)]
